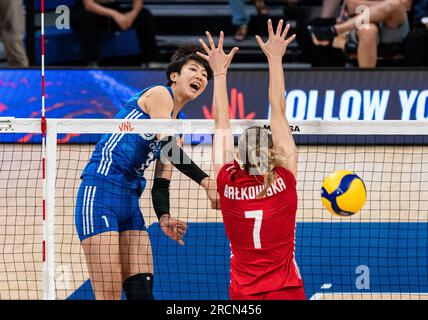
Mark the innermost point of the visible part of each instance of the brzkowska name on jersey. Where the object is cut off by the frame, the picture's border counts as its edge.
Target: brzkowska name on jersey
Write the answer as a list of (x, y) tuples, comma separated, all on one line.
[(251, 192)]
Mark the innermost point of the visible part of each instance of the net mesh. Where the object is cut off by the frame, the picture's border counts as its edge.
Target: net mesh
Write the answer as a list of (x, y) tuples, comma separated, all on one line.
[(21, 230), (378, 253)]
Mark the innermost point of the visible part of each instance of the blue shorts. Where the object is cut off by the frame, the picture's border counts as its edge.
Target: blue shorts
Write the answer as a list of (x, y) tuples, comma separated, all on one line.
[(102, 207)]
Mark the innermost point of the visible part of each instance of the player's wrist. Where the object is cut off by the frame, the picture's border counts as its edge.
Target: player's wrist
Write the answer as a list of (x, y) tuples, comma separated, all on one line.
[(205, 183), (220, 74), (274, 60), (163, 217)]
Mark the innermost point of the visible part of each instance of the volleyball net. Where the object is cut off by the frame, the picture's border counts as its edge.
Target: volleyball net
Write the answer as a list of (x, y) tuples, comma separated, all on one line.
[(379, 253)]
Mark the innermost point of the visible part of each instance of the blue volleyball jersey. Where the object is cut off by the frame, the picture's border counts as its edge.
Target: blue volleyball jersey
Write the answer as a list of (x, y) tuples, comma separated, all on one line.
[(122, 158)]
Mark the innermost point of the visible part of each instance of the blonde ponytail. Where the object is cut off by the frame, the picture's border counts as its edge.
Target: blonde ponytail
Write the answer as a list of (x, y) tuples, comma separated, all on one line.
[(258, 159), (274, 160)]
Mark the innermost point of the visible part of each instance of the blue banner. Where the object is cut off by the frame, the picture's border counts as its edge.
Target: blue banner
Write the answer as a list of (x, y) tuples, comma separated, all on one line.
[(311, 95)]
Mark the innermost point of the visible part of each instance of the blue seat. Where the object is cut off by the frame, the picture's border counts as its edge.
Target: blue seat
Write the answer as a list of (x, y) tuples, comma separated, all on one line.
[(63, 46)]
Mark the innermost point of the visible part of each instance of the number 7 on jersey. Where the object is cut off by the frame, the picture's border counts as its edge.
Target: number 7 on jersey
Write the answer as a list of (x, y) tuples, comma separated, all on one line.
[(258, 216)]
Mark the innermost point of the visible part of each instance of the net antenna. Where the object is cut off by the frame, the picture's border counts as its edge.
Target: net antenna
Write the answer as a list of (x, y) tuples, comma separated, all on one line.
[(48, 171)]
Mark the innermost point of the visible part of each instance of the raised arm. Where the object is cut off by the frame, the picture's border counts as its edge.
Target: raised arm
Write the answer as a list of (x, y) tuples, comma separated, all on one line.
[(219, 62), (274, 49)]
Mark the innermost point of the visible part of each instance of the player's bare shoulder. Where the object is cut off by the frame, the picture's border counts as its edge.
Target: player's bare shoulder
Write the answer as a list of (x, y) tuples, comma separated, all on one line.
[(156, 91), (155, 96)]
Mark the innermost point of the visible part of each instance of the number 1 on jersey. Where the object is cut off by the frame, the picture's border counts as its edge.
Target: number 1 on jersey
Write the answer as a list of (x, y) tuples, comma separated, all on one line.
[(258, 216)]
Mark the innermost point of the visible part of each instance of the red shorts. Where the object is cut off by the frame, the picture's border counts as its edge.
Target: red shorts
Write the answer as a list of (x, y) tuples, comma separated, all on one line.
[(292, 293)]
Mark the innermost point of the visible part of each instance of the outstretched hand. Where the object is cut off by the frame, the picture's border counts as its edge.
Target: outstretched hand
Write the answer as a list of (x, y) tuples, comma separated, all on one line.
[(219, 61), (276, 45), (173, 228)]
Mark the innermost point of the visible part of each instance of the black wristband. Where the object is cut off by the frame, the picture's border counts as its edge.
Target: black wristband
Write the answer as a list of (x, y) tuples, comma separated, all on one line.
[(160, 196), (181, 160)]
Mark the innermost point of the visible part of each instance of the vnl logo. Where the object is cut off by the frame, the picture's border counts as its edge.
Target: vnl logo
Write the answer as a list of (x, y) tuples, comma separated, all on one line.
[(126, 126)]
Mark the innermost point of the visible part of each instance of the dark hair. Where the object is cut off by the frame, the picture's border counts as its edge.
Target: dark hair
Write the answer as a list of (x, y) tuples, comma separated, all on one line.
[(183, 55), (258, 156)]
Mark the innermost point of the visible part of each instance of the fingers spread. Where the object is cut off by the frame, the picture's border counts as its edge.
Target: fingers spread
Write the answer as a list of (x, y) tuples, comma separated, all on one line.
[(259, 41), (270, 28), (210, 40), (284, 34), (279, 28), (204, 56), (221, 40), (207, 50), (290, 39), (233, 51)]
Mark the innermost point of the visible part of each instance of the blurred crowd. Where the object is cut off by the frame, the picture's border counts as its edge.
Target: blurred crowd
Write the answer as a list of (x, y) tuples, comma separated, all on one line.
[(369, 25), (361, 28), (12, 30)]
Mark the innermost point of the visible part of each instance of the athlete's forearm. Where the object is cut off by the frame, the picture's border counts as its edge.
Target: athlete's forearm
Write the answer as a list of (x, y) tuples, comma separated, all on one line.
[(276, 87), (160, 189), (279, 122), (160, 197), (221, 101), (163, 170), (223, 139)]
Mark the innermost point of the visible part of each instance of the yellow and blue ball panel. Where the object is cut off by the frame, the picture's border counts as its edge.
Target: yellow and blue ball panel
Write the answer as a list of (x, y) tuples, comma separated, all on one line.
[(343, 193)]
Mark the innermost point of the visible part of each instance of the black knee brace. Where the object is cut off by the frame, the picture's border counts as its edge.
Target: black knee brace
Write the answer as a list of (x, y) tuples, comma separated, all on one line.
[(139, 287)]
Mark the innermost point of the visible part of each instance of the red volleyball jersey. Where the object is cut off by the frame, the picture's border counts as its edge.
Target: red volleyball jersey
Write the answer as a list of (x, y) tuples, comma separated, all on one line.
[(261, 231)]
